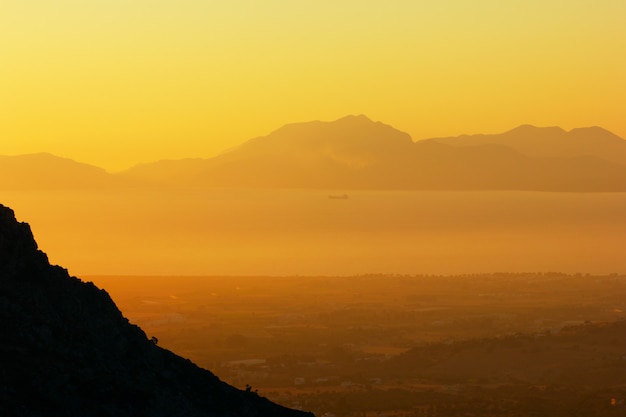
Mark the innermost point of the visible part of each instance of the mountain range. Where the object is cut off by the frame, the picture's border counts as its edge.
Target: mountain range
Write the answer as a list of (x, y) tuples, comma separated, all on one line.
[(355, 152), (66, 350)]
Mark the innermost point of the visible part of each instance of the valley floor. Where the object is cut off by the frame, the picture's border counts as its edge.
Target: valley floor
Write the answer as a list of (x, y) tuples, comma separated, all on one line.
[(491, 344)]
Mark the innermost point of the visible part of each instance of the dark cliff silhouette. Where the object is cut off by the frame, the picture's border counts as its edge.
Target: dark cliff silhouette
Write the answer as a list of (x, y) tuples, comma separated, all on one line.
[(66, 350)]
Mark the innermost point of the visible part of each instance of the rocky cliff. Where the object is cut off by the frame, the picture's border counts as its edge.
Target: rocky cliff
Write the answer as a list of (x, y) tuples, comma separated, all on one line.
[(66, 350)]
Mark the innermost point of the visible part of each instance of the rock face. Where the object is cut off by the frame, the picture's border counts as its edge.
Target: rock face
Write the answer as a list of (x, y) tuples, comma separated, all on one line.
[(66, 350)]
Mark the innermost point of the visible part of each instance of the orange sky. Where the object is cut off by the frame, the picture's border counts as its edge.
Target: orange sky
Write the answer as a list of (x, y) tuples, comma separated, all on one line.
[(118, 82)]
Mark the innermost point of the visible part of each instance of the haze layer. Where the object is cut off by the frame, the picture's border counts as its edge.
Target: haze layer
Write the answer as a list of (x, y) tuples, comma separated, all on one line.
[(115, 83)]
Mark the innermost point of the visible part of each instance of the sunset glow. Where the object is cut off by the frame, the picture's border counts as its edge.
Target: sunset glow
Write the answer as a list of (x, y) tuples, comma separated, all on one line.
[(115, 83), (337, 208)]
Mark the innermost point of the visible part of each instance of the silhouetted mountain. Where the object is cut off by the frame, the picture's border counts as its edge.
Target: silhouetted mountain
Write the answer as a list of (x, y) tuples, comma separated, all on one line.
[(551, 142), (357, 153), (311, 154), (66, 350), (346, 153), (46, 171)]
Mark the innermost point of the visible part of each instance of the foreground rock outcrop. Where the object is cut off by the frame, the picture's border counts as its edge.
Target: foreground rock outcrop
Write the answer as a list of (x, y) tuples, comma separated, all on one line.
[(66, 350)]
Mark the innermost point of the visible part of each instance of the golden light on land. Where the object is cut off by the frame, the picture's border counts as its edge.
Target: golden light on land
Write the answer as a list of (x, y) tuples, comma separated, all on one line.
[(303, 232), (115, 83)]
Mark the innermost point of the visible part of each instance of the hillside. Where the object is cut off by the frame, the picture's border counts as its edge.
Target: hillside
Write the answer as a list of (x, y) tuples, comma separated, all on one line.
[(484, 344), (65, 349), (589, 356)]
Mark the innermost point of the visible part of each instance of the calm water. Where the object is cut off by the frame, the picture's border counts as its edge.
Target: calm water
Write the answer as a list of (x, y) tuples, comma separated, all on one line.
[(287, 232)]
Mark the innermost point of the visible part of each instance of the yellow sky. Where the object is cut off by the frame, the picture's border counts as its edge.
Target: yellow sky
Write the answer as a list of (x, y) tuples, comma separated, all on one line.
[(116, 82)]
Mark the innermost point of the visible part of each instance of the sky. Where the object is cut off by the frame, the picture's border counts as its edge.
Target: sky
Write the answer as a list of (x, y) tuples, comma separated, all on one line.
[(117, 82)]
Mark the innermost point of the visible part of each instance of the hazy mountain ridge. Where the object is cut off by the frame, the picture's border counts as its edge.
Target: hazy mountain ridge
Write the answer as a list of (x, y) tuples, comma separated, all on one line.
[(67, 350), (551, 142), (356, 153), (47, 171)]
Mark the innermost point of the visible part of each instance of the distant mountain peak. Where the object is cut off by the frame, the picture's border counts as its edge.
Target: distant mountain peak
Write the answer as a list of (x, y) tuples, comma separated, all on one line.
[(47, 171), (356, 118), (361, 116), (553, 142), (531, 129), (523, 128), (360, 120), (349, 121), (355, 151), (359, 133), (597, 130)]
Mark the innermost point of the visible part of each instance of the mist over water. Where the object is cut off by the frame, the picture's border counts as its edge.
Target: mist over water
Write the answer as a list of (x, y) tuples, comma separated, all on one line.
[(304, 232)]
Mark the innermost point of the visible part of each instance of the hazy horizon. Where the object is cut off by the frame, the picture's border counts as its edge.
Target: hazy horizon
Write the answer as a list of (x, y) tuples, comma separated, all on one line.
[(346, 197), (244, 141), (304, 232), (116, 83), (249, 143)]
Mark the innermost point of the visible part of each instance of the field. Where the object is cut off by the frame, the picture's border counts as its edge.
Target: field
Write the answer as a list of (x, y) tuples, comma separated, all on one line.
[(280, 291), (308, 341)]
